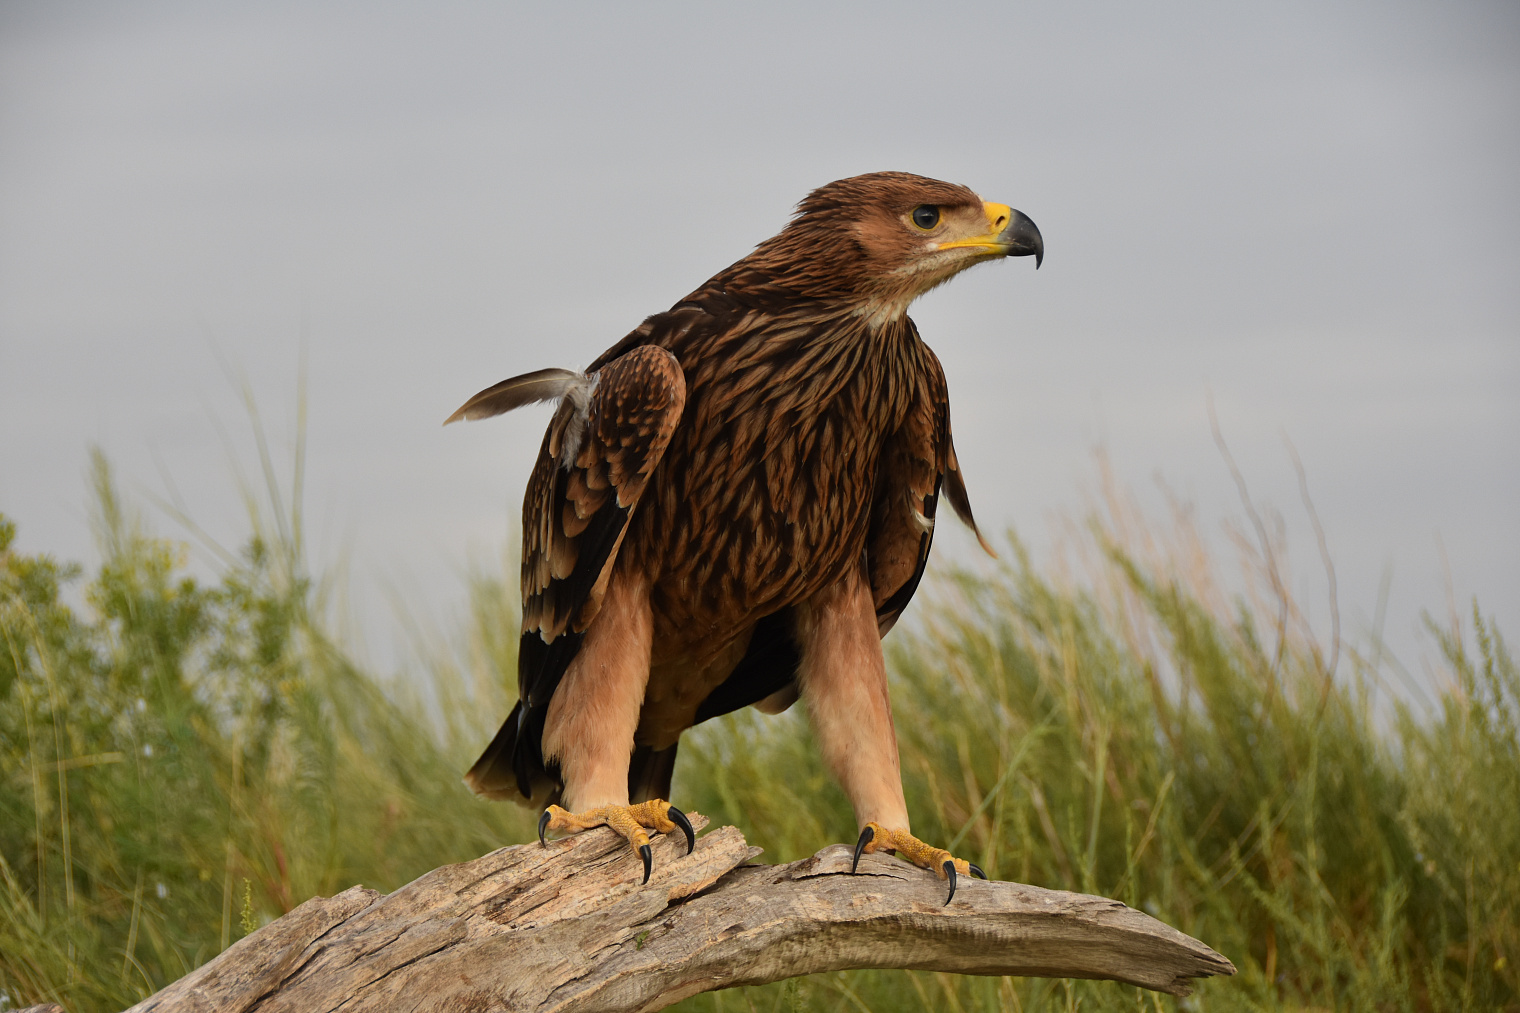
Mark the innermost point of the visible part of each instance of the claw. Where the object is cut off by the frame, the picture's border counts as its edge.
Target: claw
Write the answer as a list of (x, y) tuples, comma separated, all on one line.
[(677, 817), (866, 836), (629, 821), (949, 868), (977, 872)]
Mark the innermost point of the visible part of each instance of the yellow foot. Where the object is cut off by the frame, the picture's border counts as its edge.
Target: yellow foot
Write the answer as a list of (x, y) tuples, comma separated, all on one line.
[(876, 837), (628, 820)]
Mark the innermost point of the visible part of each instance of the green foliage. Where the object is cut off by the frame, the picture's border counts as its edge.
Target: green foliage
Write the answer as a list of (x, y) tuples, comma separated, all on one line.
[(181, 762), (1133, 742)]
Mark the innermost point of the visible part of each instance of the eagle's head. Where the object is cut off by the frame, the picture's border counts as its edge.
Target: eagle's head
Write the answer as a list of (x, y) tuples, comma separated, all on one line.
[(881, 240)]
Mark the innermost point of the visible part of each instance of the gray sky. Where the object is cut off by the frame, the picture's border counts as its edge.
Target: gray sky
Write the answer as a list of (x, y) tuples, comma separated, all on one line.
[(1307, 210)]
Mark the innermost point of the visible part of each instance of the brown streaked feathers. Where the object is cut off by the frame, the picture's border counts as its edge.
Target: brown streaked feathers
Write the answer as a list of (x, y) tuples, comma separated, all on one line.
[(734, 457)]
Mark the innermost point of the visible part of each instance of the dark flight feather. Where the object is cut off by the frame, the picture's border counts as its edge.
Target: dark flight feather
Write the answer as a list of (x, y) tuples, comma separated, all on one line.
[(960, 502)]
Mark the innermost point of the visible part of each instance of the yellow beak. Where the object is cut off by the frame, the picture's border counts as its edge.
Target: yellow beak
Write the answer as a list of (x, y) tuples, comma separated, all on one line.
[(1009, 233)]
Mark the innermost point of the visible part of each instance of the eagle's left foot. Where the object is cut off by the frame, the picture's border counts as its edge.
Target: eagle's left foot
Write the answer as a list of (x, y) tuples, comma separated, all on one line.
[(629, 820), (876, 837)]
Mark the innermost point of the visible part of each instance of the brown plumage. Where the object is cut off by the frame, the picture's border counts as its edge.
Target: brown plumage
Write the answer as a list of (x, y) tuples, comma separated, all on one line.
[(733, 492)]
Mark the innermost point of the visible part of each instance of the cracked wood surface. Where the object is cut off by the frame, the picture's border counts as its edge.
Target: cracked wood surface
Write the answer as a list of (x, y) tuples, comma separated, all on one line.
[(570, 928)]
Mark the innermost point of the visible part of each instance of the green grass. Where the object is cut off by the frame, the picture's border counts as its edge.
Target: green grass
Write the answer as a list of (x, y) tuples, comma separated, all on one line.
[(183, 761)]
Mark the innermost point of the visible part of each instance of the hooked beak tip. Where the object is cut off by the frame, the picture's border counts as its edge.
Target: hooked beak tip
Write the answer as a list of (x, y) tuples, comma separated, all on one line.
[(1022, 238)]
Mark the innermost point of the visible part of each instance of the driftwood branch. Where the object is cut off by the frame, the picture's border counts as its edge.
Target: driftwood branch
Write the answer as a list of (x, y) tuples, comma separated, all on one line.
[(570, 928)]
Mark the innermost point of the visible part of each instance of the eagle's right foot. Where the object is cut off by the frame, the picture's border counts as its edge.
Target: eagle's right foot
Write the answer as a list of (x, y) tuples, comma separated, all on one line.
[(629, 820)]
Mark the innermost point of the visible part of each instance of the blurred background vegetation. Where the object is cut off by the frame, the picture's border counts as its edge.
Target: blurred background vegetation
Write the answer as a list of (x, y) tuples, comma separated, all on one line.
[(182, 761)]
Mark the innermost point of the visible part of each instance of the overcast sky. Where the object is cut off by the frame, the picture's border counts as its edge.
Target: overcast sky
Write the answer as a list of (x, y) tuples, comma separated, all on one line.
[(1308, 211)]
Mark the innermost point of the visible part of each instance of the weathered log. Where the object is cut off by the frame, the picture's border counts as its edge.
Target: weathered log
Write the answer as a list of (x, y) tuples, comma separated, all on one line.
[(570, 928)]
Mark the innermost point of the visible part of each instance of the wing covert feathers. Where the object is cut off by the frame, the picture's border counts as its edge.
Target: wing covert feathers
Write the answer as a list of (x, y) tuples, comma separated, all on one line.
[(594, 466), (539, 385)]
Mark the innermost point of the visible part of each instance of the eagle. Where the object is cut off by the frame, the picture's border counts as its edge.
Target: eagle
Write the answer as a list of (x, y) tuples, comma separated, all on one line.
[(732, 506)]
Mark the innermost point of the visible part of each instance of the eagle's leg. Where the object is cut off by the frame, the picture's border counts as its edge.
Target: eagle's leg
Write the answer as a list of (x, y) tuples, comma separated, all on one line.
[(591, 720), (843, 677)]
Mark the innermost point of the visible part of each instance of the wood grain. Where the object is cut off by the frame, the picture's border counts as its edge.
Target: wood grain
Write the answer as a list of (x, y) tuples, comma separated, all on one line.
[(569, 927)]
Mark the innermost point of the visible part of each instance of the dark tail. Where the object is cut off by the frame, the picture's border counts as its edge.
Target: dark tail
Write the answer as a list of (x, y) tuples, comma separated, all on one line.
[(649, 773), (512, 767)]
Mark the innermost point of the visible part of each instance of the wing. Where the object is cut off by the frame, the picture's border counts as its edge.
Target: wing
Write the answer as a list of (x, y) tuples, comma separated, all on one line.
[(917, 462), (955, 492), (602, 445)]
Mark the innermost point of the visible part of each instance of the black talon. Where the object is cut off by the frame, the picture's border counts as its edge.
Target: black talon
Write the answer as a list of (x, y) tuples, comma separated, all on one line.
[(866, 837), (543, 824), (677, 817), (950, 875), (648, 858), (978, 873)]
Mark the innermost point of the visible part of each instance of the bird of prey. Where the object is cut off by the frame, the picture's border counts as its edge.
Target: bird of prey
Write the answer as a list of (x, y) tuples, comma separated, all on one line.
[(732, 505)]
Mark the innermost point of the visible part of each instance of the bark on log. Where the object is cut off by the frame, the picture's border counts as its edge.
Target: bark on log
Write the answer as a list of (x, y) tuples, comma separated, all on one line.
[(570, 928)]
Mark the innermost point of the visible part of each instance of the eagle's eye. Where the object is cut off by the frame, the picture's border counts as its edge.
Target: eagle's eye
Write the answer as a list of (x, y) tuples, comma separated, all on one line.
[(926, 216)]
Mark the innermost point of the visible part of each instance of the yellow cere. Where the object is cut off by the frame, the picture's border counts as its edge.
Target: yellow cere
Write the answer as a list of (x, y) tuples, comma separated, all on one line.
[(998, 217)]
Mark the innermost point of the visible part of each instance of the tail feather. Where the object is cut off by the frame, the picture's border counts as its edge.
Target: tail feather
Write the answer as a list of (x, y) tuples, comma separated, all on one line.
[(649, 772), (512, 767)]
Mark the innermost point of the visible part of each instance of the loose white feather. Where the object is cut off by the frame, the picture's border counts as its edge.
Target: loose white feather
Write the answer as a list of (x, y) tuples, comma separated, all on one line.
[(579, 395)]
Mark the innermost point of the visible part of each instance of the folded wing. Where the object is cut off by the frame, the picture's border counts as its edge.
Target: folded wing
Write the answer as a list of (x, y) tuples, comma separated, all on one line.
[(606, 439)]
